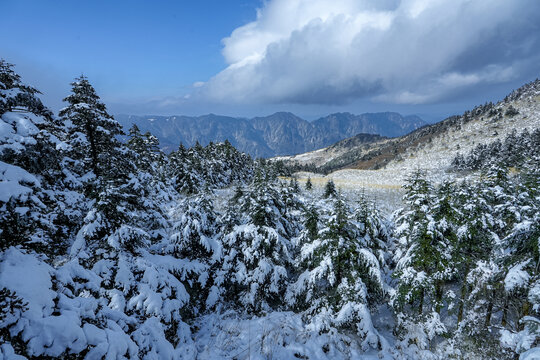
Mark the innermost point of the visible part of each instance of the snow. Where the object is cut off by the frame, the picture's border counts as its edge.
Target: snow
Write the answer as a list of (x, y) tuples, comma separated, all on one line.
[(30, 279), (278, 335), (532, 354), (209, 290), (15, 182), (18, 130), (8, 353), (516, 277)]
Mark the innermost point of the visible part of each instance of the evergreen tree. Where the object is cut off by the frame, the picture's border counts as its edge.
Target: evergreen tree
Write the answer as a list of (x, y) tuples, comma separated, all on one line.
[(31, 173), (196, 238), (257, 253), (311, 222), (520, 269), (91, 132), (309, 185), (475, 246), (16, 95), (330, 189), (148, 156), (295, 187), (342, 278), (422, 257), (425, 245)]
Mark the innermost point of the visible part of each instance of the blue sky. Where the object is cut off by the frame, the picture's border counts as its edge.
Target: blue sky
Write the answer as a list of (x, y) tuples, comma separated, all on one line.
[(127, 48), (247, 58)]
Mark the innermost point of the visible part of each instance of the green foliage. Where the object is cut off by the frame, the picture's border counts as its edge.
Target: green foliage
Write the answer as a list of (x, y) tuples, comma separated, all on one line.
[(92, 131), (10, 304), (311, 221), (309, 184), (330, 189)]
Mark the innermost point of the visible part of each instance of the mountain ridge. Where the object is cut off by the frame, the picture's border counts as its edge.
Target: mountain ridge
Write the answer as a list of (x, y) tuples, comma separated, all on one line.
[(434, 145), (278, 134)]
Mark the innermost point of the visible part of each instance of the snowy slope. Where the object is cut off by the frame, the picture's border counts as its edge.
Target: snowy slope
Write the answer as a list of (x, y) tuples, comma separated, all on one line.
[(438, 154), (431, 148)]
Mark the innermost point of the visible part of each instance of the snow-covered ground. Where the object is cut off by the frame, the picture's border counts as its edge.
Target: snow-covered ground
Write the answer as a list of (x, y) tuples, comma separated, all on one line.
[(279, 335), (377, 186), (437, 156), (434, 157)]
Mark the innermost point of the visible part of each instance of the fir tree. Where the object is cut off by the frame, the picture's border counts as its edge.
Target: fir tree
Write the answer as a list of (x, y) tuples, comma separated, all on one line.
[(342, 275), (425, 247), (196, 238), (30, 162), (91, 131), (15, 94), (311, 222), (330, 189), (257, 253), (309, 185)]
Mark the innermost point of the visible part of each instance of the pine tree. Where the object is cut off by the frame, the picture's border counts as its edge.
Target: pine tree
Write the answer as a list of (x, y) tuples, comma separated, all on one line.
[(257, 253), (148, 156), (475, 245), (295, 187), (16, 95), (427, 238), (330, 189), (520, 265), (311, 222), (426, 242), (30, 168), (342, 277), (309, 185), (91, 131), (196, 238)]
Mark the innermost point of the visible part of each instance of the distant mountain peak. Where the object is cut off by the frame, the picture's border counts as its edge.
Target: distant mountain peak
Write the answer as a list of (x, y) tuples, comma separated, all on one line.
[(281, 133)]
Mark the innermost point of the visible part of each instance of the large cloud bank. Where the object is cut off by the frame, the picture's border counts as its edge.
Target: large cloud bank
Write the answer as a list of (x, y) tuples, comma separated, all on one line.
[(408, 51)]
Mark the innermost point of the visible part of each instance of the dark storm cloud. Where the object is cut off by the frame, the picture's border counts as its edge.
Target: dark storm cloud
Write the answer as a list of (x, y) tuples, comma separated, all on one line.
[(403, 52)]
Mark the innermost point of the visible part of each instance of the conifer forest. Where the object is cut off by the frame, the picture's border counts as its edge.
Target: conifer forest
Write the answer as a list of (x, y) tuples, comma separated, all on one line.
[(111, 248)]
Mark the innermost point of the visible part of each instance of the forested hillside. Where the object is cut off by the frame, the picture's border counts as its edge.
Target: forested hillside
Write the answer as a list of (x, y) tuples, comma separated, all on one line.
[(479, 130), (112, 250)]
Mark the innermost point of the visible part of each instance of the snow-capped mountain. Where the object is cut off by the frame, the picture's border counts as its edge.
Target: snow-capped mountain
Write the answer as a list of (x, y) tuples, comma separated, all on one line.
[(281, 133)]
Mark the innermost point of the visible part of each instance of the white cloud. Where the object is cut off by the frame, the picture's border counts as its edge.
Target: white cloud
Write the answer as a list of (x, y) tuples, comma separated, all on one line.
[(408, 51)]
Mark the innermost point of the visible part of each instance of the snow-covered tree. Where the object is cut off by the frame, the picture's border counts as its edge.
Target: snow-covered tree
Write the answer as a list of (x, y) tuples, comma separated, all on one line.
[(92, 132), (342, 279), (413, 240), (196, 238), (31, 175), (426, 263), (330, 189), (15, 95), (256, 258), (520, 269), (475, 247), (309, 184)]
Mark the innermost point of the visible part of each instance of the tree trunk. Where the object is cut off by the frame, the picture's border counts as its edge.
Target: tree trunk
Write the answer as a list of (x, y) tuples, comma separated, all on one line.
[(421, 304), (525, 309), (504, 320), (438, 297), (462, 303), (489, 312)]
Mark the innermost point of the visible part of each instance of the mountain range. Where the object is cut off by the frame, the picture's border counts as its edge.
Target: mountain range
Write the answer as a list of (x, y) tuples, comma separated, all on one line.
[(282, 133)]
